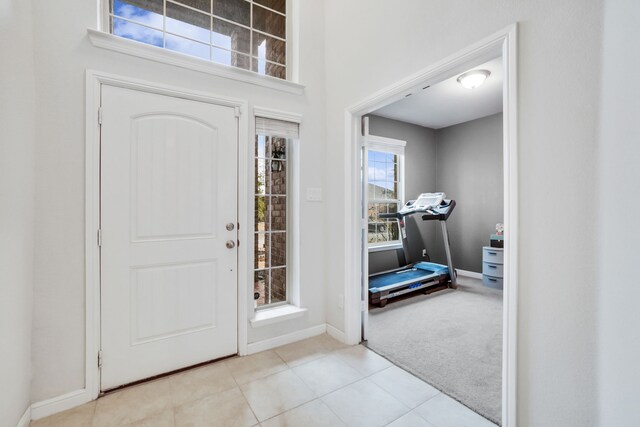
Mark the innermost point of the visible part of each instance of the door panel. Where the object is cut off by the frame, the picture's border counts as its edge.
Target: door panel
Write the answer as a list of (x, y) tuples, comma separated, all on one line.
[(172, 300), (168, 188), (172, 195)]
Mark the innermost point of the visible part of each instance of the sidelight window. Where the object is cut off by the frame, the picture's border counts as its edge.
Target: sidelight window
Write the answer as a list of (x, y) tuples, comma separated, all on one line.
[(272, 172)]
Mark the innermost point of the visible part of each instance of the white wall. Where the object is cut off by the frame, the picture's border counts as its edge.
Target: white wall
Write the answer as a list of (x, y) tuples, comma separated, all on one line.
[(17, 176), (63, 53), (559, 94), (372, 44), (618, 224)]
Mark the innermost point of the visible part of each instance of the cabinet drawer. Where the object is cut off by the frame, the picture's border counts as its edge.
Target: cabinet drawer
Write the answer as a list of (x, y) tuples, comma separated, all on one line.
[(491, 269), (493, 255), (492, 282)]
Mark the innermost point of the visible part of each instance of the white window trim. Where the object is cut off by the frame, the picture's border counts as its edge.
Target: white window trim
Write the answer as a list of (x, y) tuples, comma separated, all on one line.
[(164, 56), (292, 308), (270, 315), (394, 146), (292, 36), (103, 39)]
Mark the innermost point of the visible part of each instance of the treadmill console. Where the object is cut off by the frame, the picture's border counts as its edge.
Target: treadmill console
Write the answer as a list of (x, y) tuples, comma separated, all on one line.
[(423, 203), (441, 212), (433, 205)]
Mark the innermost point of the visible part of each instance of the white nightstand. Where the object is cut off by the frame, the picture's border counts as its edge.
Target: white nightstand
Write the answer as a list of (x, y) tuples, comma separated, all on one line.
[(492, 267)]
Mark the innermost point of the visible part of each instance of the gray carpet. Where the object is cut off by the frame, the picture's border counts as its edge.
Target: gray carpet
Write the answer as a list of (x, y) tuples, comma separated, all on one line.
[(452, 339)]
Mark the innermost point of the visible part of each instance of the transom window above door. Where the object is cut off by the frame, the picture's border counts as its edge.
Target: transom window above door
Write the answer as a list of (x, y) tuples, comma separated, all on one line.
[(246, 34)]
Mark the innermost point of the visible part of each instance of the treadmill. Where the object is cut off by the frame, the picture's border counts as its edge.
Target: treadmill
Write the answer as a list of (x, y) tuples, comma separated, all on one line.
[(426, 276)]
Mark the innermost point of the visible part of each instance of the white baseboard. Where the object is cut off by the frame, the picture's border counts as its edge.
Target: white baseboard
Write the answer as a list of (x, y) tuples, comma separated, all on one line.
[(471, 274), (76, 398), (336, 333), (256, 347), (60, 403), (25, 419)]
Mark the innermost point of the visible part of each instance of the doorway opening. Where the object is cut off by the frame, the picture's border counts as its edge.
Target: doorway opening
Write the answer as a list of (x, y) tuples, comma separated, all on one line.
[(379, 243)]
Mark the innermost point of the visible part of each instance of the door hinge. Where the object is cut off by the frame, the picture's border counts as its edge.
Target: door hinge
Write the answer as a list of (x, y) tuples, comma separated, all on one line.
[(100, 359), (99, 236), (237, 111), (100, 115)]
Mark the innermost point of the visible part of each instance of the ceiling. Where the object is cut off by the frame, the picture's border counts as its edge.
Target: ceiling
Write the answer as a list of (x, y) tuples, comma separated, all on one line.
[(448, 103)]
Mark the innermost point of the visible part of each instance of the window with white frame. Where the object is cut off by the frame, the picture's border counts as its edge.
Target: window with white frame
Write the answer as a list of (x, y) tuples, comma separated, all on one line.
[(272, 234), (247, 34), (385, 176)]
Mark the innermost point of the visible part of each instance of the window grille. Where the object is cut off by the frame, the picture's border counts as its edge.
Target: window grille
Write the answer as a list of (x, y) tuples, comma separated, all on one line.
[(246, 34), (272, 167)]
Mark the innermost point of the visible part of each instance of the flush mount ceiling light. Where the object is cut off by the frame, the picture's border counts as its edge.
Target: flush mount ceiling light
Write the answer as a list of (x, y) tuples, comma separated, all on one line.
[(474, 78)]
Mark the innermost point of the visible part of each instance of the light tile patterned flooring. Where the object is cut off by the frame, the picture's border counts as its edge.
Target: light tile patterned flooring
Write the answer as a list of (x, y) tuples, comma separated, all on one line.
[(315, 382)]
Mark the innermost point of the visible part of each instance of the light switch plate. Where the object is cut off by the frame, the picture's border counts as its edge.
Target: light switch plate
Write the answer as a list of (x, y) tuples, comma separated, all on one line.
[(314, 194)]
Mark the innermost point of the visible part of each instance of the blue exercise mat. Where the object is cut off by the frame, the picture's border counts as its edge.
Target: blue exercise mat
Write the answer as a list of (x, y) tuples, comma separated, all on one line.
[(421, 271)]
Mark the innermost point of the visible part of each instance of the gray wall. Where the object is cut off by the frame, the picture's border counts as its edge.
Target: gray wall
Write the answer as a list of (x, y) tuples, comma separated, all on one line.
[(464, 161), (420, 152), (420, 177), (469, 170)]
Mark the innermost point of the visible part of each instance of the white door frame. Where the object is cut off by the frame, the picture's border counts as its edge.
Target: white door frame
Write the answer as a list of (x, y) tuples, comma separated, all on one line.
[(503, 43), (94, 81)]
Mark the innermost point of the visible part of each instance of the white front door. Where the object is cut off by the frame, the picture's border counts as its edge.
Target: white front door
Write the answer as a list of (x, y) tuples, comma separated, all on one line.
[(168, 211)]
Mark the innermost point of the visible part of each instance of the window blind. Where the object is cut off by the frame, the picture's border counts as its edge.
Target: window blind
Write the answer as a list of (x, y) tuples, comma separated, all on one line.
[(280, 128), (387, 145)]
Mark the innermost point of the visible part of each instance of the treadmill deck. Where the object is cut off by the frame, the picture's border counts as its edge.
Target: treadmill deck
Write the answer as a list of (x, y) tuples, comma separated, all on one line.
[(421, 275)]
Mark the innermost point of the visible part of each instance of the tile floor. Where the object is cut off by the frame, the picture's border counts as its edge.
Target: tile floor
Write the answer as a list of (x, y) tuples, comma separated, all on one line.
[(315, 382)]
